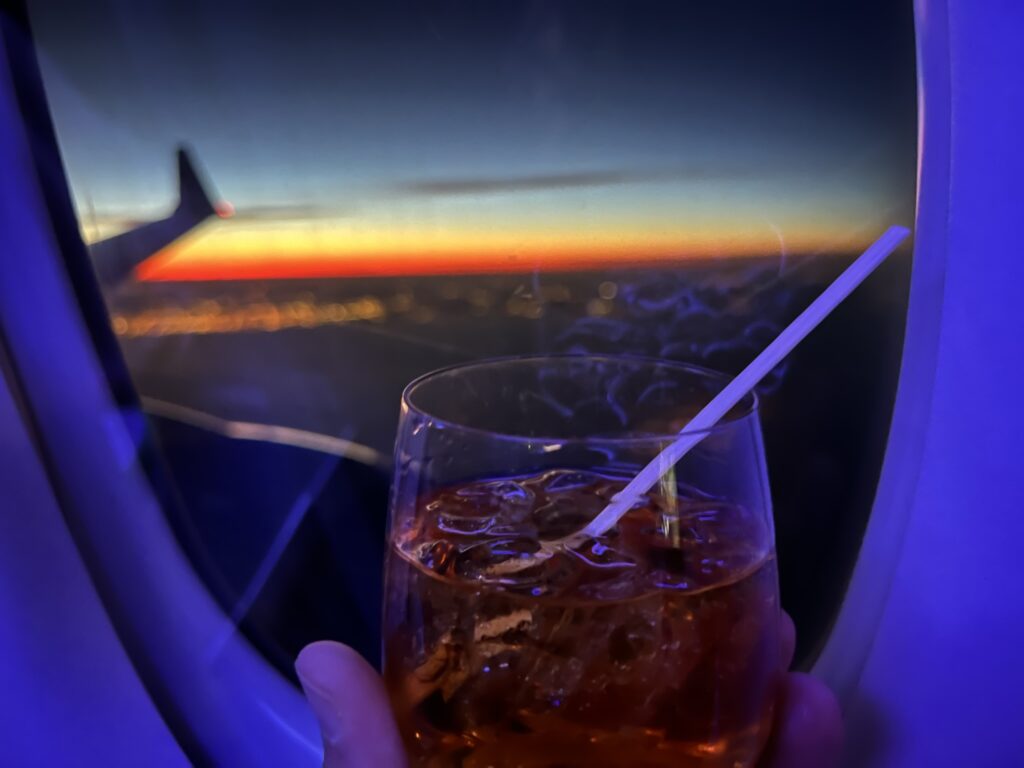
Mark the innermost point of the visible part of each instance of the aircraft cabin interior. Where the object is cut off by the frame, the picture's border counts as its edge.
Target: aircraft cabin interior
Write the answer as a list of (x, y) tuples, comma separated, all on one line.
[(278, 282)]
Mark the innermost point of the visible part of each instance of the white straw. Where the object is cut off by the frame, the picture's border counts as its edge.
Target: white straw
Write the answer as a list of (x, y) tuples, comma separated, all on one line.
[(771, 356)]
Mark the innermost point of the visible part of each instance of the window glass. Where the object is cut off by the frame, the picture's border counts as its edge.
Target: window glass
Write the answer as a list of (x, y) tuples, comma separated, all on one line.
[(295, 208)]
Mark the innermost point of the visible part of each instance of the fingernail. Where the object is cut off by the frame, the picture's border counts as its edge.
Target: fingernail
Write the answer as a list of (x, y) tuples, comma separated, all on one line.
[(324, 709)]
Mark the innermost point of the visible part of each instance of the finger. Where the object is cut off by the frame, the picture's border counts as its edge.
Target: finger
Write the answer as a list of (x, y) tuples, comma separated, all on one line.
[(350, 703), (808, 726), (787, 640)]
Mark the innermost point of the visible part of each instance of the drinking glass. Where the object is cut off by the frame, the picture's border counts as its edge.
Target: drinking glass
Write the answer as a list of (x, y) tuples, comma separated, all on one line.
[(654, 644)]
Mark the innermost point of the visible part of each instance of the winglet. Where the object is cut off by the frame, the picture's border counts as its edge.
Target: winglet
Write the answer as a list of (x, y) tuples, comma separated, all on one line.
[(114, 259), (193, 198)]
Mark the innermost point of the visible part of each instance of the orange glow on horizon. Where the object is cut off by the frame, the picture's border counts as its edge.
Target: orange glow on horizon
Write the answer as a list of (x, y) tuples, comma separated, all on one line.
[(283, 253), (349, 265)]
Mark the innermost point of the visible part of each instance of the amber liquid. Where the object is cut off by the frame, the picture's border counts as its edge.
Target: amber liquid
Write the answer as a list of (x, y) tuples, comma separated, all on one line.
[(656, 645)]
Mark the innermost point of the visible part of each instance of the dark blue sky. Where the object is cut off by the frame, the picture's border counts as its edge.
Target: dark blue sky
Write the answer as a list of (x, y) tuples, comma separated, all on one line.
[(601, 117)]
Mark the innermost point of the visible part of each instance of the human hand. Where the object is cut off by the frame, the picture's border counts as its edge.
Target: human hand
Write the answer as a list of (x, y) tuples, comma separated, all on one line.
[(350, 703)]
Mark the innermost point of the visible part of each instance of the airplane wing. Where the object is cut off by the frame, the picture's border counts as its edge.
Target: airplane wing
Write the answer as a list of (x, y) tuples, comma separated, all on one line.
[(116, 257)]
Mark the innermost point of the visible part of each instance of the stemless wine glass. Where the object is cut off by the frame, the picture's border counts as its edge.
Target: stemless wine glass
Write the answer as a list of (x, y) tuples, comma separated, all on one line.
[(655, 644)]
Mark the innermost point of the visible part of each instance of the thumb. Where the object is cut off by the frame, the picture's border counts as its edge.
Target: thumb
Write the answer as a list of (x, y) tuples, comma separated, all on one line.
[(809, 726), (350, 704)]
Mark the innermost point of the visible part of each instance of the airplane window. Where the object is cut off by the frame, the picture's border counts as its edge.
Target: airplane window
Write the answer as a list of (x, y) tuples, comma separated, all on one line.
[(294, 209)]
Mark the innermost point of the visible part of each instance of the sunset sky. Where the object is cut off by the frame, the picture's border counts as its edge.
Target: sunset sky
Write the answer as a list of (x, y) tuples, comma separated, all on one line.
[(425, 137)]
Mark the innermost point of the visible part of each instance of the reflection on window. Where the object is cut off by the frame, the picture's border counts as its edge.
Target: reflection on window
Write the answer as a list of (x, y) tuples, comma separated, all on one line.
[(373, 190)]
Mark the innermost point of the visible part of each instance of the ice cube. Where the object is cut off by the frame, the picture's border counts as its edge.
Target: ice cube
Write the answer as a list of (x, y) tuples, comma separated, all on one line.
[(563, 515), (499, 626), (524, 529), (510, 493), (464, 525), (630, 640), (563, 480), (508, 490), (598, 554), (436, 556), (442, 670), (552, 676), (554, 664), (490, 560), (504, 501)]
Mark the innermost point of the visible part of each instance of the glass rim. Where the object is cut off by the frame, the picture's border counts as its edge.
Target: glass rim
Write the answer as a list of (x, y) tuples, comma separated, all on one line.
[(748, 405)]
